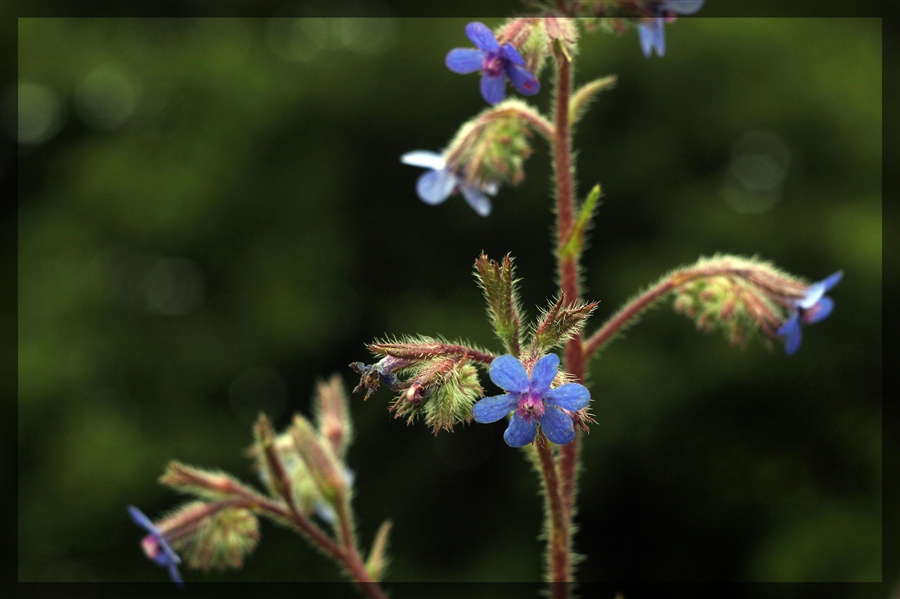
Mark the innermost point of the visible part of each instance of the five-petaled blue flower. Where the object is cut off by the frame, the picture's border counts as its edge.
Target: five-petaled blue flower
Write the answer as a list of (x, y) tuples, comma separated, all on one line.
[(496, 63), (811, 308), (533, 400), (652, 34), (439, 183), (156, 547)]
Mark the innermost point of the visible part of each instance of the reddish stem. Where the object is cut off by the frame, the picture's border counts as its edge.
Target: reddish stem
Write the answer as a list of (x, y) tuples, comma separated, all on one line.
[(558, 540), (560, 556)]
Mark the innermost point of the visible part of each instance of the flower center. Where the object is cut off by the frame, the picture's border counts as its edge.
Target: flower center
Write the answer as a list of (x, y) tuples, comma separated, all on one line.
[(151, 547), (492, 65), (531, 406)]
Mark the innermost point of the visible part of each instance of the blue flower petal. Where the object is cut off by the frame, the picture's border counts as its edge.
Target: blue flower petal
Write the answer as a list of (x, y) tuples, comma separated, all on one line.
[(139, 518), (653, 36), (572, 396), (477, 200), (175, 575), (434, 187), (815, 291), (512, 55), (492, 409), (683, 7), (812, 296), (790, 330), (482, 36), (523, 80), (543, 373), (464, 60), (425, 159), (820, 311), (520, 432), (833, 280), (493, 88), (508, 373), (557, 426)]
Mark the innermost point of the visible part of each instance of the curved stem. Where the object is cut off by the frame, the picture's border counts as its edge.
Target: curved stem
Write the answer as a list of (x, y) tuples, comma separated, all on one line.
[(758, 275), (621, 318), (347, 554)]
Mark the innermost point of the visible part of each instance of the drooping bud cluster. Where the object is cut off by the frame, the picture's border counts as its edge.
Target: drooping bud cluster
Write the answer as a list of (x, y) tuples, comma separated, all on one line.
[(741, 296), (206, 534), (491, 148), (435, 379)]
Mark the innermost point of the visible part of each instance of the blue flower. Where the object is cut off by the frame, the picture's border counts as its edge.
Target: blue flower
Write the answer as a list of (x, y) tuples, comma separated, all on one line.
[(496, 63), (811, 308), (440, 182), (652, 34), (533, 400), (156, 546)]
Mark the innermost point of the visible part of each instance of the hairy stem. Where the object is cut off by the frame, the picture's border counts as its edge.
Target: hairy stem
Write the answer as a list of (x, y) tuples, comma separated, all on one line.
[(557, 540), (759, 276), (346, 555), (563, 475)]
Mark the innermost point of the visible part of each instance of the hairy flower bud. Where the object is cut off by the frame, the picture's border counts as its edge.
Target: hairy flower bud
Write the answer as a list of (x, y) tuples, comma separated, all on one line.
[(491, 148)]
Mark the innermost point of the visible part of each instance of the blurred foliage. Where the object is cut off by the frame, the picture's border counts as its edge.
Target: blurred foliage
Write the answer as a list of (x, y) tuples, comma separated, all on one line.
[(214, 215)]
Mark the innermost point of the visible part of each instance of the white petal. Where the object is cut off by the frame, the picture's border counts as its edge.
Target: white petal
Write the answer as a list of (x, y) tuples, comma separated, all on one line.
[(424, 158)]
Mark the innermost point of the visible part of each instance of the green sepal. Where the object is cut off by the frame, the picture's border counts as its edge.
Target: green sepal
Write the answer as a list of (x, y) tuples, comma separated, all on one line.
[(215, 485), (498, 282), (321, 463), (558, 324), (377, 562), (221, 540), (574, 243), (333, 415), (587, 92)]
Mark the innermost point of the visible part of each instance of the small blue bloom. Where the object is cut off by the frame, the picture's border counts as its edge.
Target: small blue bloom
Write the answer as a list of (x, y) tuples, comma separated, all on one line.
[(156, 546), (439, 183), (811, 308), (496, 63), (533, 400), (652, 34)]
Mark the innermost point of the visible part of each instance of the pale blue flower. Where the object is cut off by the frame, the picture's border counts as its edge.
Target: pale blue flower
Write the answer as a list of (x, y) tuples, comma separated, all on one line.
[(811, 308), (652, 34), (439, 183)]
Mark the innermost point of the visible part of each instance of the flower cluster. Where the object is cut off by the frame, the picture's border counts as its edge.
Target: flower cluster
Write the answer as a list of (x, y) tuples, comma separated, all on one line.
[(532, 401)]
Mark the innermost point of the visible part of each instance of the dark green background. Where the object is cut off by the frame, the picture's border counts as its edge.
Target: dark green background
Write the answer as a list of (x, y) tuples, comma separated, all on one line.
[(259, 162)]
